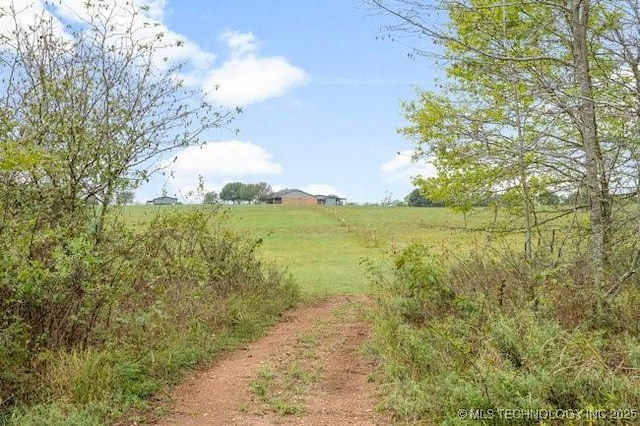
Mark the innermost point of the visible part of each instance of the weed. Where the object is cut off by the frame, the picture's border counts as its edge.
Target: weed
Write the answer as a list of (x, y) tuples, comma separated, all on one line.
[(261, 385), (446, 342), (307, 339), (284, 407), (282, 388)]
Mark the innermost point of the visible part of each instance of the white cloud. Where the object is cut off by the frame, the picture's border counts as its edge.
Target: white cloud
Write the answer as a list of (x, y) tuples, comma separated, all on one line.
[(129, 24), (403, 168), (145, 24), (246, 77), (243, 78), (230, 158), (156, 8), (240, 43), (218, 163), (27, 15), (319, 189)]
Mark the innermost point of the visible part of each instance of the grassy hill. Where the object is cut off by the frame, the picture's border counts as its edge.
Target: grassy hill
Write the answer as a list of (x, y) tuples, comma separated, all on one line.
[(322, 247)]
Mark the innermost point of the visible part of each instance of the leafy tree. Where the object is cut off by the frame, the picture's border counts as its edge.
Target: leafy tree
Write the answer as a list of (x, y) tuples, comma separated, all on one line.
[(416, 199), (239, 191), (263, 190), (125, 197), (84, 118), (233, 191), (549, 198), (249, 192), (211, 197), (537, 100), (98, 103)]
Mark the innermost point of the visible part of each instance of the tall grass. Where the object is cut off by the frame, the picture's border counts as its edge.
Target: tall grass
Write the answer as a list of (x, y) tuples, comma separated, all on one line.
[(487, 338)]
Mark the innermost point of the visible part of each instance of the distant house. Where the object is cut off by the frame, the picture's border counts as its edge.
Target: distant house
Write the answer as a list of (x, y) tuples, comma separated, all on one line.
[(331, 200), (292, 196), (163, 201), (298, 197)]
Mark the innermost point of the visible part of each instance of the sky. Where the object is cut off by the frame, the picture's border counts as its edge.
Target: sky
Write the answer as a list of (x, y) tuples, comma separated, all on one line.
[(320, 93)]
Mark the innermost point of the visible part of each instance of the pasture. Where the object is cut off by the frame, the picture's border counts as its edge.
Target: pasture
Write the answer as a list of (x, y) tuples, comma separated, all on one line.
[(323, 247)]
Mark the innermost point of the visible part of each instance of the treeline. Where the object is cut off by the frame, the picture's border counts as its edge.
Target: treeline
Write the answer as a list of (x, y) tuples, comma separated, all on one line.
[(98, 313), (544, 198), (237, 192)]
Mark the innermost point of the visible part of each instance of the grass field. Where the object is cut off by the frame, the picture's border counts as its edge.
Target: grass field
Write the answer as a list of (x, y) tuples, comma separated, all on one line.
[(322, 256), (322, 247)]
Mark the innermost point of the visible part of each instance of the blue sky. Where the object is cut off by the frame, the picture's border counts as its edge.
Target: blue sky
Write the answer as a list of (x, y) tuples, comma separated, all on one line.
[(320, 95)]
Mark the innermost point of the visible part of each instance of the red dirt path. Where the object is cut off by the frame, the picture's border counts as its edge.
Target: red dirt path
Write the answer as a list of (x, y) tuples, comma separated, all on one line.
[(318, 344)]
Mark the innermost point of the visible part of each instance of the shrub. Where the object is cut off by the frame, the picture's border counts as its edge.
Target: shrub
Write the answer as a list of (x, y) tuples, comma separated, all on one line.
[(120, 317), (491, 336)]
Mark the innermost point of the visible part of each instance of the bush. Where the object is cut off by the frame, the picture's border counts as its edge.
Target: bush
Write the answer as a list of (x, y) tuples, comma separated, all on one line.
[(120, 317), (498, 338), (87, 117)]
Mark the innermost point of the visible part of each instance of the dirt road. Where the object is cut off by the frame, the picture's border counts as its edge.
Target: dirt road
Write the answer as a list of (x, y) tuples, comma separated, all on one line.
[(306, 371)]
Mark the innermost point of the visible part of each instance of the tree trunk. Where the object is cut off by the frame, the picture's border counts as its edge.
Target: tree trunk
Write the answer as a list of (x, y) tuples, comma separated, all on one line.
[(597, 187), (524, 181)]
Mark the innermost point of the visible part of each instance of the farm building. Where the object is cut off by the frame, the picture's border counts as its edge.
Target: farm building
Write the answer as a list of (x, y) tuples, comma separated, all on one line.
[(331, 200), (298, 197), (163, 201)]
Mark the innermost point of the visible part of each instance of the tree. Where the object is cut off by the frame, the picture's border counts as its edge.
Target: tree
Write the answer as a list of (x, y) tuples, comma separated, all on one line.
[(85, 117), (125, 197), (552, 71), (263, 190), (211, 197), (233, 192), (249, 192), (98, 102), (416, 199), (549, 198), (387, 200)]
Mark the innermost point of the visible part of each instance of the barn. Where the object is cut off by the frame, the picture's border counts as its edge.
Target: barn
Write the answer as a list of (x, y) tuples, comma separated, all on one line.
[(292, 196)]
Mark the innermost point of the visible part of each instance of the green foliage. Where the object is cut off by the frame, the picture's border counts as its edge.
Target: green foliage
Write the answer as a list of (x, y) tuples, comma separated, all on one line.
[(416, 199), (211, 198), (232, 192), (60, 414), (249, 192), (152, 299), (493, 334), (97, 314), (443, 133), (533, 104), (420, 291)]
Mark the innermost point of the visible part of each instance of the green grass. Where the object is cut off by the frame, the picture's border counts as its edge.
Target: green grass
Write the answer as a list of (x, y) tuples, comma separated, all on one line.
[(322, 256), (393, 228), (322, 247), (282, 389)]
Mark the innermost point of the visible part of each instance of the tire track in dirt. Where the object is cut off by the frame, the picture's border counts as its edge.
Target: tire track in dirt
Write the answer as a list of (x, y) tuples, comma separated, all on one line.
[(306, 371)]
